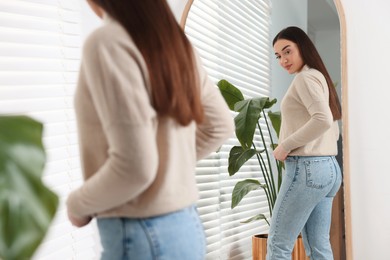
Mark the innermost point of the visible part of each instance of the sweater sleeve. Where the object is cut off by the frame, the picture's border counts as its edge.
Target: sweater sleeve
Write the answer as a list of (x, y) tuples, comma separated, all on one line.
[(218, 123), (117, 87), (313, 95)]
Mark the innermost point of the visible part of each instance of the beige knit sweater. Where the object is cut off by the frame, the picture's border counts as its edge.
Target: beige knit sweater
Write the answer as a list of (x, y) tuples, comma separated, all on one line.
[(136, 164), (307, 126)]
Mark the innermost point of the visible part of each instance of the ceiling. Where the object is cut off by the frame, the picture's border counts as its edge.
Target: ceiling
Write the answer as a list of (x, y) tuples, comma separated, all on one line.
[(322, 15)]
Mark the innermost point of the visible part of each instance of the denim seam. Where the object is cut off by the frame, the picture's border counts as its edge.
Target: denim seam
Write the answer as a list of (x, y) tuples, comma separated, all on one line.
[(282, 203), (125, 236), (336, 173), (308, 242), (152, 239)]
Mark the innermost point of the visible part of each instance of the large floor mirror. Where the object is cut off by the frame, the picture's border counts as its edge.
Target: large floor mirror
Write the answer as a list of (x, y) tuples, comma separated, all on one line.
[(326, 26)]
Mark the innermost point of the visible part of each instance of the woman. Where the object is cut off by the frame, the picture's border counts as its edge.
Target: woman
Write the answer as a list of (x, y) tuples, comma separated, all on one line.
[(146, 112), (308, 145)]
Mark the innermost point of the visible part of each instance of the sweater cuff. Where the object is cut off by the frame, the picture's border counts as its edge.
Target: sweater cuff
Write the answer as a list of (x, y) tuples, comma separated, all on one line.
[(72, 204)]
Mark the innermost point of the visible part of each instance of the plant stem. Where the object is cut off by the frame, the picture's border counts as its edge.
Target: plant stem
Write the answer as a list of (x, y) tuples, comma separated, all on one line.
[(278, 163), (265, 173), (270, 176)]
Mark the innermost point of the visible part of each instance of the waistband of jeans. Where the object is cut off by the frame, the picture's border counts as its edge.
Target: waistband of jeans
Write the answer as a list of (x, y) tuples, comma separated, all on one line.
[(304, 158)]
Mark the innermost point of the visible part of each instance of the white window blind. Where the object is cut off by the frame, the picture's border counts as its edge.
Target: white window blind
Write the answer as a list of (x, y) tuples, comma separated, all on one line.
[(233, 39), (40, 46)]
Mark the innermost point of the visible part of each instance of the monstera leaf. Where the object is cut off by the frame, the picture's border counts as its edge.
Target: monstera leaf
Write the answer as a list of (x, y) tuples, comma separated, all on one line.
[(27, 206)]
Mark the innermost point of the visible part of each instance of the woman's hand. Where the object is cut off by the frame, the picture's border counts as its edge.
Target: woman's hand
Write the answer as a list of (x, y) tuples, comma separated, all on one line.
[(280, 154), (78, 222)]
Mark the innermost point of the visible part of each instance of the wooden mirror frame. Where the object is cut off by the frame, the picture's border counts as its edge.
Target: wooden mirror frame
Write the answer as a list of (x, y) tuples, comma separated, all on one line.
[(185, 13), (345, 128)]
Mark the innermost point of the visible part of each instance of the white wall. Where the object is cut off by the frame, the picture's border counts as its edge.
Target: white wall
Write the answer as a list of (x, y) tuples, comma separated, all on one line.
[(284, 14), (368, 41)]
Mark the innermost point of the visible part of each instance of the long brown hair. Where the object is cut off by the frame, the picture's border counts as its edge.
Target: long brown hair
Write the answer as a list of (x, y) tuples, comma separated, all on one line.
[(312, 58), (167, 52)]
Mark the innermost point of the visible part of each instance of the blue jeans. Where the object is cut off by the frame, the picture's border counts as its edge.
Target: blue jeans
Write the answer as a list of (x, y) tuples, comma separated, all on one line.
[(177, 235), (304, 204)]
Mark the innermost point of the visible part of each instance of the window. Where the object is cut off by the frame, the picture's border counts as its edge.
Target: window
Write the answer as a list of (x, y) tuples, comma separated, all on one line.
[(233, 39), (40, 42)]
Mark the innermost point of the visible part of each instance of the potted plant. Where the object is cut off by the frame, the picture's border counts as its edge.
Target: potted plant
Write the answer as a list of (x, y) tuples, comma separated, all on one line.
[(27, 206), (251, 113)]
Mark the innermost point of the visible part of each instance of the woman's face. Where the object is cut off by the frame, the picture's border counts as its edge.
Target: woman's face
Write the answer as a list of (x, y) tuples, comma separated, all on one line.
[(97, 9), (288, 54)]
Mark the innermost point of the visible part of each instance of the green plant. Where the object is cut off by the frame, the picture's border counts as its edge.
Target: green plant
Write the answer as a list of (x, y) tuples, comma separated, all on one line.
[(27, 207), (250, 112)]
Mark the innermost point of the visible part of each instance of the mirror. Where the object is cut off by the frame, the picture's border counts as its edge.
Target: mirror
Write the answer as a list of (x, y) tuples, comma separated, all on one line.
[(333, 11)]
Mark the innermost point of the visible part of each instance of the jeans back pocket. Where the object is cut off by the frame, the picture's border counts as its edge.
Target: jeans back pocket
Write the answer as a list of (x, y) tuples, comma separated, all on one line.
[(319, 173)]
